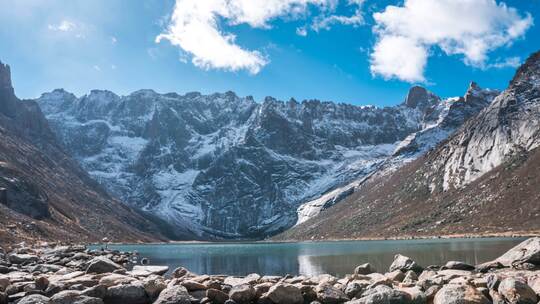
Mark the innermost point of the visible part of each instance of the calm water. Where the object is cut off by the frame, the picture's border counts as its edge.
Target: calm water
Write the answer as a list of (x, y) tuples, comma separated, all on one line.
[(337, 258)]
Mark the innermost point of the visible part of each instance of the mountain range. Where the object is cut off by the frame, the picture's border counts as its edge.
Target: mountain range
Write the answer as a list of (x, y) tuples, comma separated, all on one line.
[(208, 167), (222, 166)]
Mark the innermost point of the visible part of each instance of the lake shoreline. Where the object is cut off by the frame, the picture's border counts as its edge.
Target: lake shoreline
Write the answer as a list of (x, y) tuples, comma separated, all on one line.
[(75, 274), (510, 235)]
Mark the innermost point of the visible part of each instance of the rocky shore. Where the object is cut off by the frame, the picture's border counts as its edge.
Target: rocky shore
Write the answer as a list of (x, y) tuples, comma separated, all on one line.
[(75, 274)]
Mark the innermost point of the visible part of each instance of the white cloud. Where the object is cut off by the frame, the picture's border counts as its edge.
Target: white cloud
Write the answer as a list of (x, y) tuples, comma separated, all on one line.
[(396, 56), (510, 62), (301, 31), (114, 40), (63, 26), (194, 27), (470, 28), (326, 22)]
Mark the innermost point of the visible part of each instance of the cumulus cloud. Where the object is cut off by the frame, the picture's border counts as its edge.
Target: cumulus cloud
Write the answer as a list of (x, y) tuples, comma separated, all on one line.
[(469, 28), (195, 28)]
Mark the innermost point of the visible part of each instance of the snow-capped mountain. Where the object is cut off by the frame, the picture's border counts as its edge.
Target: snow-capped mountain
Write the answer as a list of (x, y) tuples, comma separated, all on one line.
[(222, 166), (482, 179), (441, 119)]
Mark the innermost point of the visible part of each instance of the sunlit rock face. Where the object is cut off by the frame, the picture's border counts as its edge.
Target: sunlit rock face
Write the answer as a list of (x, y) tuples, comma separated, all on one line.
[(222, 166)]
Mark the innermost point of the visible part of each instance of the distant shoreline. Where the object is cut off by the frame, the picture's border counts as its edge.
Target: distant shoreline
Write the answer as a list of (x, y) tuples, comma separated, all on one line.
[(519, 234)]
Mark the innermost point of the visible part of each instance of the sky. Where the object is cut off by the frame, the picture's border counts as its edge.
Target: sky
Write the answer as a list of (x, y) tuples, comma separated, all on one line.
[(353, 51)]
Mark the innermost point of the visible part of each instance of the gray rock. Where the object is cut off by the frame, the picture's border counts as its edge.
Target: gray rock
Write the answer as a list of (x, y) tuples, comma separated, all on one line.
[(4, 283), (174, 295), (396, 275), (133, 294), (3, 298), (153, 285), (217, 296), (383, 294), (328, 294), (33, 299), (102, 265), (22, 258), (404, 264), (459, 294), (65, 297), (517, 292), (527, 251), (285, 294), (355, 288), (149, 270), (193, 286), (363, 269), (179, 272), (98, 291), (458, 265), (242, 294)]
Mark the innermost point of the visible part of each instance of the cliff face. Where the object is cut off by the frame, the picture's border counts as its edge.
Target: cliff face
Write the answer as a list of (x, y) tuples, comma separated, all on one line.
[(483, 178), (45, 194)]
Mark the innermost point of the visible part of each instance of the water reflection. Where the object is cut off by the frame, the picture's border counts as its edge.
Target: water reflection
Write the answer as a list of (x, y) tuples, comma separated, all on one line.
[(336, 258)]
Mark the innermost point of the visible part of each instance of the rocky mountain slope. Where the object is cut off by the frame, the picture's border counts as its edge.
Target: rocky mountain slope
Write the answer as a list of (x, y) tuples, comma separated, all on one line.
[(44, 194), (484, 178), (222, 166)]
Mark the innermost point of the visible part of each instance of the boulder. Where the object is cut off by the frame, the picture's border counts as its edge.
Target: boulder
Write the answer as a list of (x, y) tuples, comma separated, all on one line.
[(115, 279), (328, 294), (285, 294), (216, 296), (355, 288), (404, 264), (73, 297), (527, 251), (459, 294), (98, 291), (517, 292), (22, 258), (102, 265), (534, 282), (249, 279), (145, 271), (4, 283), (193, 286), (132, 293), (363, 269), (396, 275), (410, 277), (243, 293), (33, 299), (383, 294), (415, 294), (174, 295), (179, 272), (65, 297), (458, 265), (153, 285)]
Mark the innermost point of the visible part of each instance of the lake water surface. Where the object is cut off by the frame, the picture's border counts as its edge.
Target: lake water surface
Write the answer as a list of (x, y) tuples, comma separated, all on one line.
[(310, 258)]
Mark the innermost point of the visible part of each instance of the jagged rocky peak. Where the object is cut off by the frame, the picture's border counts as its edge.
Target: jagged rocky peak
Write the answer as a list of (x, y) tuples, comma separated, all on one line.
[(528, 75), (420, 97), (5, 76)]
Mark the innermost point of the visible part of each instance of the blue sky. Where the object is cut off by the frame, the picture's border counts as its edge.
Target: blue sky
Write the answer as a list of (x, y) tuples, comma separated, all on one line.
[(360, 52)]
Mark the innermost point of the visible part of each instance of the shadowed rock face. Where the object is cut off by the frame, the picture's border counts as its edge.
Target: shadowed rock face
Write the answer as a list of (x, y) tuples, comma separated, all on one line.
[(222, 166), (46, 195)]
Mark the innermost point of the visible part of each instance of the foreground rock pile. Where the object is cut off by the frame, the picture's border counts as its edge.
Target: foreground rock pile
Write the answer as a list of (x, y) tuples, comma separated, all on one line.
[(74, 274)]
